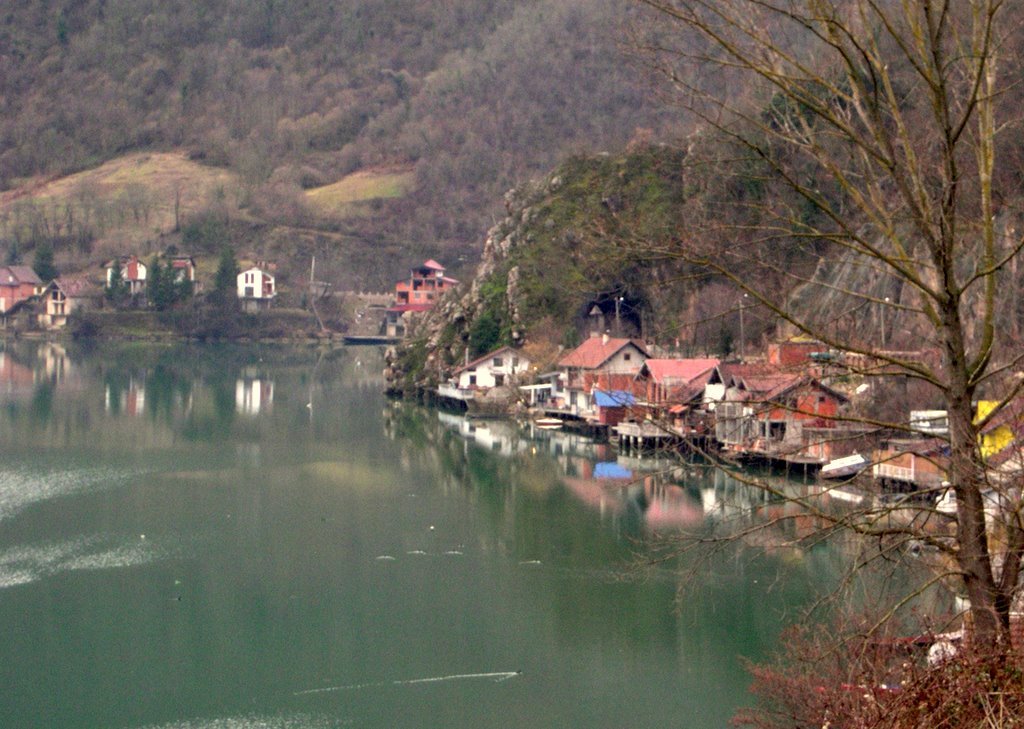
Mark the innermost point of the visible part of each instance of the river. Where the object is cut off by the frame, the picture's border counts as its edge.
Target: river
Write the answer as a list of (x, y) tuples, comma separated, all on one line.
[(197, 537)]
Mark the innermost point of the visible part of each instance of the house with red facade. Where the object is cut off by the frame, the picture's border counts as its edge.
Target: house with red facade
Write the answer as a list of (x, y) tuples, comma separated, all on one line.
[(425, 285), (600, 363), (416, 294), (17, 284), (133, 273), (784, 416)]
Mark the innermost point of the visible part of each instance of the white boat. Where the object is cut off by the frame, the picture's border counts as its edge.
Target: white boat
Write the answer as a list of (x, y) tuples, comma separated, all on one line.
[(548, 423), (844, 467)]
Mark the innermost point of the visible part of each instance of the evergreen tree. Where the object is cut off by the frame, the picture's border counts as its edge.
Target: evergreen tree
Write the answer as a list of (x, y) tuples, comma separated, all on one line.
[(157, 289), (117, 290), (226, 278), (42, 264)]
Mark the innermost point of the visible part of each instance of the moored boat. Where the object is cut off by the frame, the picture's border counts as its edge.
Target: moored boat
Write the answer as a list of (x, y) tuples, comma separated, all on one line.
[(844, 467)]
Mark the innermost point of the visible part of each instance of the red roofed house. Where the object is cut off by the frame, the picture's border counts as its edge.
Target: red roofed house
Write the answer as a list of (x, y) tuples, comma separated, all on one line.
[(674, 388), (17, 284), (601, 362), (65, 295), (425, 285), (666, 382), (184, 268)]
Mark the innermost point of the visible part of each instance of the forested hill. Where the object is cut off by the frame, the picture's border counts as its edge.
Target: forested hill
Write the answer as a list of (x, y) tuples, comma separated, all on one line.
[(465, 98)]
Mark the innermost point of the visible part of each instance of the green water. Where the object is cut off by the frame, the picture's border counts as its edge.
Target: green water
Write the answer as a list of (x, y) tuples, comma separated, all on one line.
[(231, 537)]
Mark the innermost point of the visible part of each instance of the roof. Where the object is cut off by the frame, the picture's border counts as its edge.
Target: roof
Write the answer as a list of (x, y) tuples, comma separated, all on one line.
[(77, 287), (613, 398), (595, 351), (485, 357), (735, 374), (683, 370), (787, 383), (432, 265), (19, 274)]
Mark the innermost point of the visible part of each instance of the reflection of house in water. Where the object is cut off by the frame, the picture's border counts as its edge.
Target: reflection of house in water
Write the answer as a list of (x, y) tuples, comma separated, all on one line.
[(495, 435), (16, 380), (129, 400), (56, 366), (253, 396), (618, 492)]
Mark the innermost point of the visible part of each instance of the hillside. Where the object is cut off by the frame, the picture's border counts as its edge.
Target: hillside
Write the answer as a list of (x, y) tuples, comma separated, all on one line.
[(285, 101), (573, 255)]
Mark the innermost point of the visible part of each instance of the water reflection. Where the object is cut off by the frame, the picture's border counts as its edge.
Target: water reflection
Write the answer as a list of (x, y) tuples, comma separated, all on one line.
[(193, 535)]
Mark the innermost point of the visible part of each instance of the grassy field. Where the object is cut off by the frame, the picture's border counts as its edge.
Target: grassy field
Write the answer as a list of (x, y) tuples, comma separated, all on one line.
[(126, 201), (349, 196)]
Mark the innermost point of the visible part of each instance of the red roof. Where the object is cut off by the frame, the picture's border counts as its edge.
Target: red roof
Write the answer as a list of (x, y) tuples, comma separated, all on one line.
[(433, 265), (595, 351), (681, 370)]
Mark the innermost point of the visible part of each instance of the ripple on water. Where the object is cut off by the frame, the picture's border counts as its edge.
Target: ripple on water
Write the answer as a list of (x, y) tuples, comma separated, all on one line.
[(29, 563), (20, 488), (288, 721)]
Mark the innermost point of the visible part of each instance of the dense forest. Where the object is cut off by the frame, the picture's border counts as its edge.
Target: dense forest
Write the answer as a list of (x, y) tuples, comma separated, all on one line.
[(465, 97)]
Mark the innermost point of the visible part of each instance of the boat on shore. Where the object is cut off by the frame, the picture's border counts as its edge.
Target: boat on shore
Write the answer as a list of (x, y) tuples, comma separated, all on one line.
[(845, 467), (548, 423)]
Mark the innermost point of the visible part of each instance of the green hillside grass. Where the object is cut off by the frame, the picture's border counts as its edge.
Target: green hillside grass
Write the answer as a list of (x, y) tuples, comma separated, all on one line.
[(348, 196), (118, 206)]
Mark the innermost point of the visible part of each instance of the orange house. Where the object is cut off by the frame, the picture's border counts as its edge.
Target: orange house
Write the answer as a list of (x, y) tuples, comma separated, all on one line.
[(425, 285)]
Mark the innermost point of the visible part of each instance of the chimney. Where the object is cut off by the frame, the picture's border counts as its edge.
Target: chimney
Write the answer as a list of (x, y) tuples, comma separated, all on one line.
[(604, 338)]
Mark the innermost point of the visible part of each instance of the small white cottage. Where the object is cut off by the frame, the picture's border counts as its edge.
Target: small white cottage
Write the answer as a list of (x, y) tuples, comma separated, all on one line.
[(256, 289), (495, 369)]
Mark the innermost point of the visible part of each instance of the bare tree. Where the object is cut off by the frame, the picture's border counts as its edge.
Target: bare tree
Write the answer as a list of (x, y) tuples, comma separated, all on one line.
[(877, 122)]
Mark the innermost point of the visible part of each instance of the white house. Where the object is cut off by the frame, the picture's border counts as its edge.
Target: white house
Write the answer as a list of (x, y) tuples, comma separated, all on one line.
[(256, 289), (133, 273), (495, 369)]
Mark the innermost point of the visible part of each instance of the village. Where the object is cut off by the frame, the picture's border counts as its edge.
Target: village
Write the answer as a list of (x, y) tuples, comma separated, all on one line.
[(796, 406), (28, 303)]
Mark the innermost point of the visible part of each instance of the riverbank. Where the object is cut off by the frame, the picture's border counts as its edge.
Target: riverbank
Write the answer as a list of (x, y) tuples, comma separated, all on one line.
[(192, 324)]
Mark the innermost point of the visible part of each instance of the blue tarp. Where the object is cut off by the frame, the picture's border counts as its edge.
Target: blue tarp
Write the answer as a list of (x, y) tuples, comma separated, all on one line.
[(613, 398)]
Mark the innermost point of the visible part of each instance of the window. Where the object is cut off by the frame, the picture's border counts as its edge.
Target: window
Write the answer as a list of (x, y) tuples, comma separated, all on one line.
[(472, 380), (515, 362), (499, 380), (497, 362), (627, 356)]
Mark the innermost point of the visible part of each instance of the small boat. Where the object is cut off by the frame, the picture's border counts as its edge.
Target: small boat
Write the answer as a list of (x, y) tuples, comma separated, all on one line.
[(844, 467), (548, 423)]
